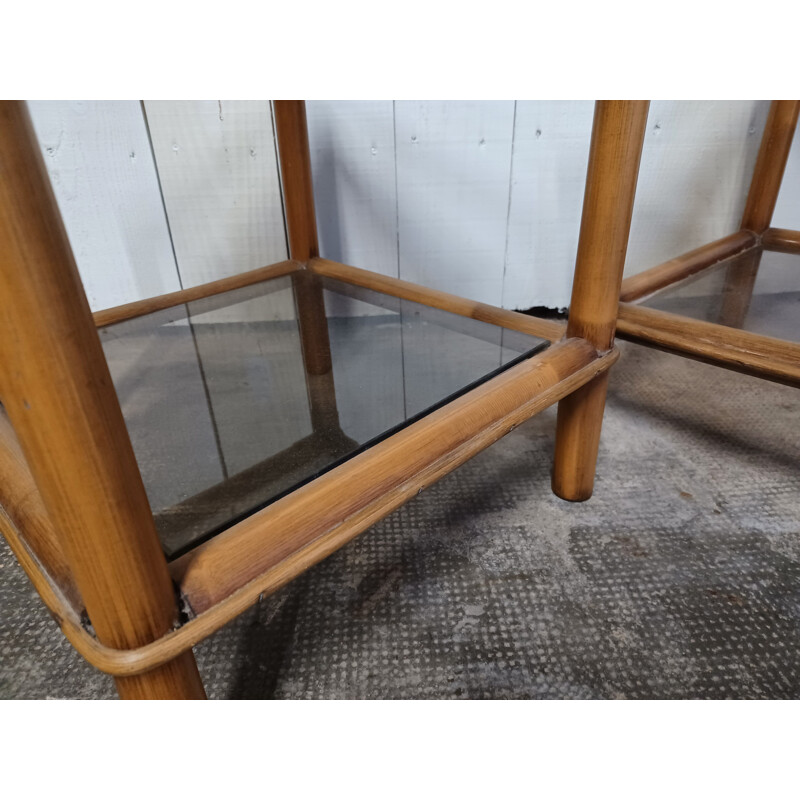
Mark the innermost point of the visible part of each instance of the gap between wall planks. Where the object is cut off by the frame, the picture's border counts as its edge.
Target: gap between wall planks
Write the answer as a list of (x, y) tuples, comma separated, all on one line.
[(98, 158), (218, 170), (367, 176), (697, 161)]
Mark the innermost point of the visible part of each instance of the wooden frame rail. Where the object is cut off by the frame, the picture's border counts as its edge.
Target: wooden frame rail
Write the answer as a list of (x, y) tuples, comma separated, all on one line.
[(211, 506), (543, 328), (781, 240), (513, 320), (59, 397), (750, 353), (643, 284), (223, 577), (139, 308)]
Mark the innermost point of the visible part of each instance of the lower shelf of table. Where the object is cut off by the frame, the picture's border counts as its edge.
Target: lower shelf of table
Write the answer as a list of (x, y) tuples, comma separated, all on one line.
[(234, 400), (742, 312), (756, 291), (225, 575)]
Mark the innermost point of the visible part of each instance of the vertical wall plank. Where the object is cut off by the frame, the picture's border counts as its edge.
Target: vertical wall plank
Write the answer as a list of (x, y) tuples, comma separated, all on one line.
[(548, 175), (219, 176), (353, 163), (99, 161), (787, 210), (462, 224), (453, 168)]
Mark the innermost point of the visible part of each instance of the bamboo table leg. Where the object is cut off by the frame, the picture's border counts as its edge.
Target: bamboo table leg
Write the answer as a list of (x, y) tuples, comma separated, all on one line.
[(770, 165), (776, 143), (298, 194), (614, 156), (57, 391)]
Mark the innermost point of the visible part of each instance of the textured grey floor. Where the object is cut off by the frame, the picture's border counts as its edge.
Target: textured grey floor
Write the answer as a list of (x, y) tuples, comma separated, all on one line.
[(679, 579)]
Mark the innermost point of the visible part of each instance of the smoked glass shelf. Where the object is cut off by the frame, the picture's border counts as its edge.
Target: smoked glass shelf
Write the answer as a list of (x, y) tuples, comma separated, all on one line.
[(757, 291), (225, 415)]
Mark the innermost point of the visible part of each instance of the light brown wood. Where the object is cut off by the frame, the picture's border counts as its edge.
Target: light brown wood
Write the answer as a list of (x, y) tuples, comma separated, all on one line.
[(57, 391), (781, 240), (60, 399), (749, 353), (146, 661), (723, 344), (21, 501), (141, 307), (580, 416), (651, 280), (298, 192), (61, 608), (322, 541), (301, 223), (381, 477), (542, 328), (770, 165), (614, 156)]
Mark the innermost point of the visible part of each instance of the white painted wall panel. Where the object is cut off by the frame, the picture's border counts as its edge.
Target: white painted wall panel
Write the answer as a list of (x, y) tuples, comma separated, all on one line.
[(787, 211), (548, 176), (219, 175), (453, 175), (99, 161), (353, 163), (437, 179)]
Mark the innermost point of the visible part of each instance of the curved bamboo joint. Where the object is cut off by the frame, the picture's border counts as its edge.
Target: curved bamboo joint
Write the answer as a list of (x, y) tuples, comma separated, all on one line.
[(781, 240), (219, 579)]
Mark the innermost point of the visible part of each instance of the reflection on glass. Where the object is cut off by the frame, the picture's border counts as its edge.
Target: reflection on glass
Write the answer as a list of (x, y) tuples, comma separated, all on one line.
[(228, 408), (757, 291)]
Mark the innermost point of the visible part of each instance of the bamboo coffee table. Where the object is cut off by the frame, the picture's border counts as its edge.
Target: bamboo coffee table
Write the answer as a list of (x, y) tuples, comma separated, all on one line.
[(264, 438), (734, 302)]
